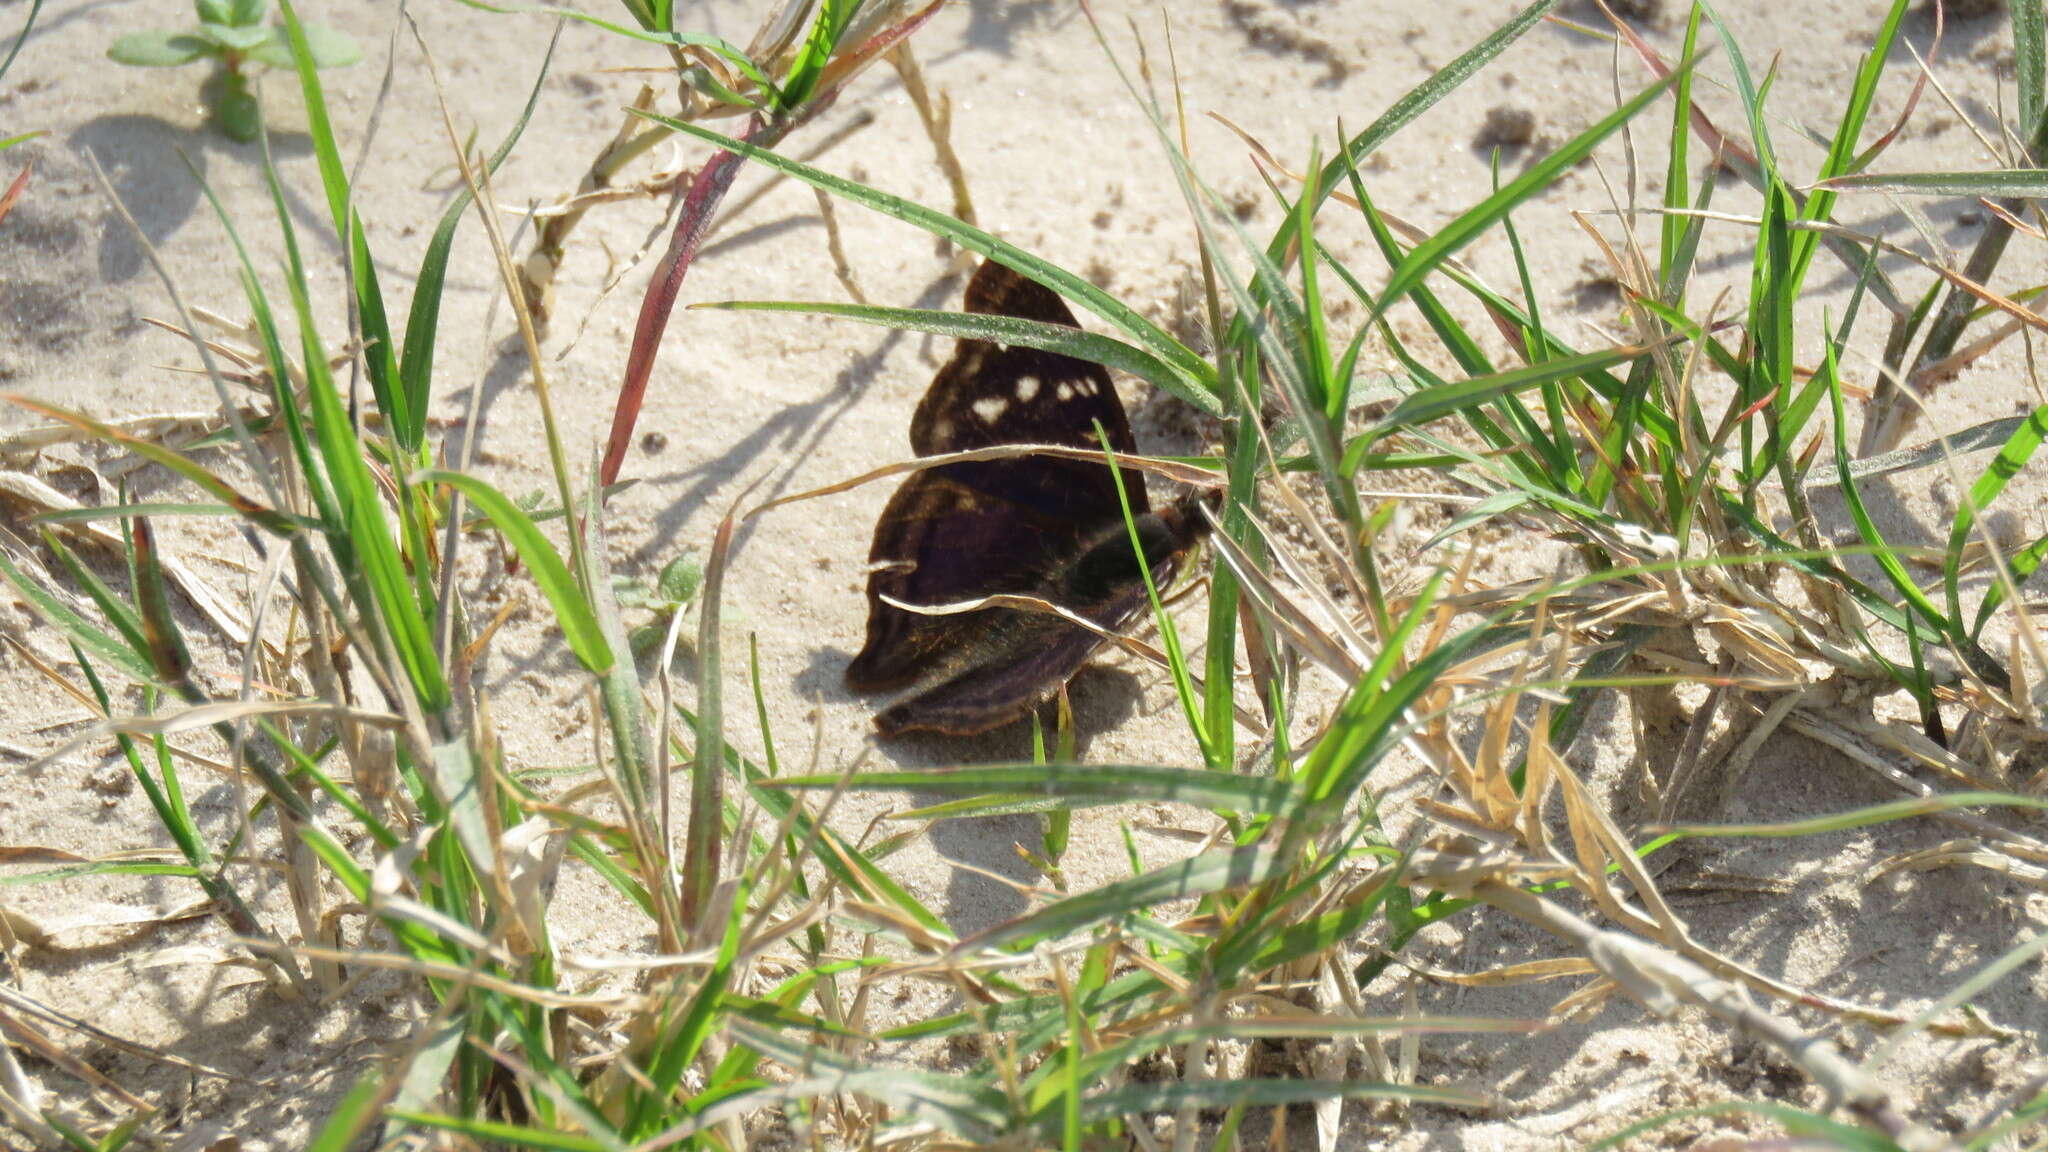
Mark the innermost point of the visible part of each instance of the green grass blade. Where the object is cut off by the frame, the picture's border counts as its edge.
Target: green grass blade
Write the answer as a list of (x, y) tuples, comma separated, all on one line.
[(965, 1106), (423, 319), (1076, 784), (1887, 559), (382, 575), (1427, 404), (572, 611), (1671, 270), (1863, 817), (2029, 183), (1196, 876), (1196, 381), (380, 354), (1842, 153), (155, 509), (2029, 64), (2011, 460), (99, 868), (263, 516), (1075, 342), (35, 9), (272, 344), (1413, 104), (126, 621), (59, 615), (1746, 92), (648, 34), (1425, 257), (827, 27), (352, 1117)]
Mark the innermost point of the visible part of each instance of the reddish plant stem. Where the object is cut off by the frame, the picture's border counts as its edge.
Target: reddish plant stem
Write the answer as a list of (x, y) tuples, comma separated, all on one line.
[(706, 190)]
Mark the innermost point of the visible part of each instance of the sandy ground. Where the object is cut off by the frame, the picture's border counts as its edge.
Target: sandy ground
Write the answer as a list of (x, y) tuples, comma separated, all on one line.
[(1061, 162)]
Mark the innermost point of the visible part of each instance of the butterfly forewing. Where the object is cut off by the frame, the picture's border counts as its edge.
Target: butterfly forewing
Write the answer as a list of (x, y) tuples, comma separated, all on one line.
[(991, 394)]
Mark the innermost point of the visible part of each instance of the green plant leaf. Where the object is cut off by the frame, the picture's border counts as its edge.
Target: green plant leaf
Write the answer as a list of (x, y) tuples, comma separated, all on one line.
[(681, 578), (651, 33), (236, 39), (328, 47), (967, 1106), (826, 29), (2012, 459), (2029, 65), (210, 482), (1427, 404), (35, 9), (356, 1112), (380, 355), (160, 49), (59, 614)]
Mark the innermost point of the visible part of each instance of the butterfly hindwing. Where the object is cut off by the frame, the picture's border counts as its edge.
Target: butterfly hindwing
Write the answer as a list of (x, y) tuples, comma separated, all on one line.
[(938, 542), (988, 667), (1046, 652)]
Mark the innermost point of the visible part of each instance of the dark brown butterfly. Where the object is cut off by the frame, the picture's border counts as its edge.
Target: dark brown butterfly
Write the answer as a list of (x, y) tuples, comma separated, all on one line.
[(1040, 526)]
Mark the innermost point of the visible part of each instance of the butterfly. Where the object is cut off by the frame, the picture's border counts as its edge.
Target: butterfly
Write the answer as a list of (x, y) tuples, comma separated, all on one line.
[(1039, 526)]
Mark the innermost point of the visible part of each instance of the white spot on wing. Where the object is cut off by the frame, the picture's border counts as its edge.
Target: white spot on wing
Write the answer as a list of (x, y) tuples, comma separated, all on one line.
[(1027, 388), (1066, 391), (942, 429), (990, 408)]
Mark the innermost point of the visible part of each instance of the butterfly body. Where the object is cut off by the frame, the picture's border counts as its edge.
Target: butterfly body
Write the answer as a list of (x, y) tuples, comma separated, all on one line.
[(1044, 527)]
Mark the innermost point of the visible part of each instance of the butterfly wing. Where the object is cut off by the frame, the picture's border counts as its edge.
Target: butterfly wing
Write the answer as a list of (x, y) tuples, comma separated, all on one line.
[(1043, 526), (991, 394), (1019, 658), (1013, 660), (938, 542), (970, 529)]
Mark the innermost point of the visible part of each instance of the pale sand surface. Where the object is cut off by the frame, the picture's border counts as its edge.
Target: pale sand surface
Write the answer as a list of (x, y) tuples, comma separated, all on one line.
[(1060, 161)]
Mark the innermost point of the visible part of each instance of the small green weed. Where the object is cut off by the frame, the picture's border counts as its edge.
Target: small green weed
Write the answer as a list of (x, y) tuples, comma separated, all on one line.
[(232, 34)]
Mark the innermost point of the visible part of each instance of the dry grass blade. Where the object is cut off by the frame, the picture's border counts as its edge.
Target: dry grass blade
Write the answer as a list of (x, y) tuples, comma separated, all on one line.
[(14, 1001), (1662, 981), (200, 717)]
